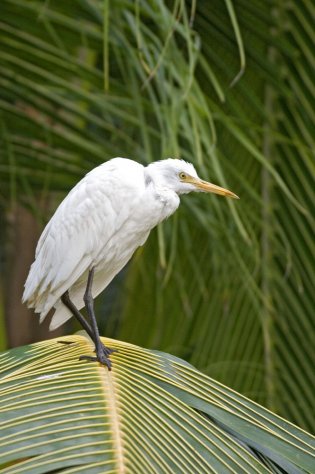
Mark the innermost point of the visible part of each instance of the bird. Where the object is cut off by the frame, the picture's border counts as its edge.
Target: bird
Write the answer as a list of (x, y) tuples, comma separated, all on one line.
[(95, 231)]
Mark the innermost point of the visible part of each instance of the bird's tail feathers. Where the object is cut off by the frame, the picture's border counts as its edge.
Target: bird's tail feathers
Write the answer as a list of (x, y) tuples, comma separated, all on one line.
[(31, 285), (43, 294), (61, 315), (35, 286)]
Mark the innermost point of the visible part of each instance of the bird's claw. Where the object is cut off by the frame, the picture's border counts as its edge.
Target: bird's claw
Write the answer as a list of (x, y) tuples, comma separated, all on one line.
[(108, 351), (101, 359), (101, 356)]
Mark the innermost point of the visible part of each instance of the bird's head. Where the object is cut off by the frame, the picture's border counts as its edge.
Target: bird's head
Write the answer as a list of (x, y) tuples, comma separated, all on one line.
[(181, 177)]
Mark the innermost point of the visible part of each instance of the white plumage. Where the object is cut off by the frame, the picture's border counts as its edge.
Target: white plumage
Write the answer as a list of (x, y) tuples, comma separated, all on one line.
[(100, 224)]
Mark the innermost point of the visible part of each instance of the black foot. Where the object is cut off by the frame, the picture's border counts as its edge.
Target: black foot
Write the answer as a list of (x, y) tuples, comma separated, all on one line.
[(102, 357), (102, 360), (108, 351)]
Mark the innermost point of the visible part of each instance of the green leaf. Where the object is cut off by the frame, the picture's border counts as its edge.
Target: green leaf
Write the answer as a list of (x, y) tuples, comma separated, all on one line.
[(152, 413), (239, 276)]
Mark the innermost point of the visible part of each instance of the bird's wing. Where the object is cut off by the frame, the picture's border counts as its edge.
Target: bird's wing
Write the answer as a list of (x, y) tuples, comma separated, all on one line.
[(82, 226)]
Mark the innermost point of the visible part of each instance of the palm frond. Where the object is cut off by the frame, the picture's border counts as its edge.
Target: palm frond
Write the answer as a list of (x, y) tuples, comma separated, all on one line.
[(237, 277), (151, 413)]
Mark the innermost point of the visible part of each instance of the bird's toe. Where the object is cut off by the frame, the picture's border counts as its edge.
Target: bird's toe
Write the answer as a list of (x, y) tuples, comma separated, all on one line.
[(108, 351), (101, 358), (104, 359)]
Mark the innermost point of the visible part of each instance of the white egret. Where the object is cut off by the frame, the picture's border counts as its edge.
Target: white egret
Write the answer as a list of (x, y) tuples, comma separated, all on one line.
[(95, 231)]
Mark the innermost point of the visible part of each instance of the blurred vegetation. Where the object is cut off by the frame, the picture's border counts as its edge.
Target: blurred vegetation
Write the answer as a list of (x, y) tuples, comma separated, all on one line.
[(226, 85)]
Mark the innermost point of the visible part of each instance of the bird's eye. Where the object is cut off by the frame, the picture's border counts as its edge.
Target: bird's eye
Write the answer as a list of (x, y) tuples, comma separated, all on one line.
[(182, 175)]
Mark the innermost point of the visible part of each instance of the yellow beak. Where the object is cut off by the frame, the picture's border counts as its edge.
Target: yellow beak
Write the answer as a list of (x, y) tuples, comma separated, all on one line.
[(212, 188)]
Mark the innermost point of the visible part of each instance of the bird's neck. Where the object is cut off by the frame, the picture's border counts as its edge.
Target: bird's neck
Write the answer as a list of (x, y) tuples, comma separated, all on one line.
[(165, 201)]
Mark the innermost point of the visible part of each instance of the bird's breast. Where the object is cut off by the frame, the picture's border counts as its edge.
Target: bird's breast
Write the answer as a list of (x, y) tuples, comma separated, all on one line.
[(133, 223), (158, 204)]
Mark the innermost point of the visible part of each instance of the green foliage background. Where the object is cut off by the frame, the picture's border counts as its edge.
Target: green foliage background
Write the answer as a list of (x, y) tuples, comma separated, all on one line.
[(225, 85)]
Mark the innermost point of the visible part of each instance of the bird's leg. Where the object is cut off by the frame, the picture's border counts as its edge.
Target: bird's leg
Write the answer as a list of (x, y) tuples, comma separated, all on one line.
[(65, 298), (76, 313), (102, 352)]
